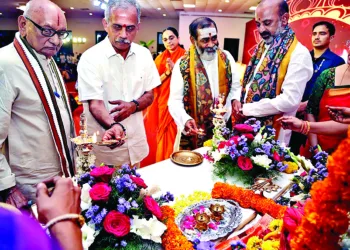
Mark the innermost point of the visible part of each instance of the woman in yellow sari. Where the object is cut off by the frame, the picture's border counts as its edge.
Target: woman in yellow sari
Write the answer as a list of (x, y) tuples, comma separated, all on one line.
[(160, 127)]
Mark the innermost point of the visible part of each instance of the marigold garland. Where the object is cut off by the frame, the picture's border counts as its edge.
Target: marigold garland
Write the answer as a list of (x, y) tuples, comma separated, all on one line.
[(325, 216), (248, 199), (183, 201), (173, 239)]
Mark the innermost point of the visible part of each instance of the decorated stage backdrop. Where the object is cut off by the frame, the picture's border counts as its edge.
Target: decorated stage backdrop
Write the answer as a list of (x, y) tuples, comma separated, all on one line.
[(303, 14)]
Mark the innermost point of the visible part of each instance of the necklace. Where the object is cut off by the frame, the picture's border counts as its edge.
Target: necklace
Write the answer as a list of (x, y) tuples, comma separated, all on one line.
[(319, 67), (344, 75)]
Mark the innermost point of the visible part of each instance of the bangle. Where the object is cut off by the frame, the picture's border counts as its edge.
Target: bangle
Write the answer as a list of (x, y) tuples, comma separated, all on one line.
[(307, 127), (167, 74), (137, 105), (78, 218), (313, 148), (118, 123)]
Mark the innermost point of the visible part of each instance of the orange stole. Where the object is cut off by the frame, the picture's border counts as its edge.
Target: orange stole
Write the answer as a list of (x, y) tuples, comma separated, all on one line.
[(282, 71), (160, 127)]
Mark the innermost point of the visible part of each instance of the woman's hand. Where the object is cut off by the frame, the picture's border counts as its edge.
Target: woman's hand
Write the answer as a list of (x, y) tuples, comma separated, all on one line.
[(290, 122), (339, 114)]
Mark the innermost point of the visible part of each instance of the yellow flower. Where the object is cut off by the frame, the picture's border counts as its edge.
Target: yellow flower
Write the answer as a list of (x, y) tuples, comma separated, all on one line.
[(270, 245), (254, 243), (208, 143), (276, 225), (292, 167), (182, 202)]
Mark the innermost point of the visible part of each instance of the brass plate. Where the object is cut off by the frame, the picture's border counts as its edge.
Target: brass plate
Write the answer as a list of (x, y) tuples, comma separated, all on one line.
[(108, 142), (186, 158)]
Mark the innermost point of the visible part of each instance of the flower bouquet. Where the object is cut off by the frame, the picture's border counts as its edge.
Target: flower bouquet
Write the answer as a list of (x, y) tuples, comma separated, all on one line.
[(249, 151), (119, 210)]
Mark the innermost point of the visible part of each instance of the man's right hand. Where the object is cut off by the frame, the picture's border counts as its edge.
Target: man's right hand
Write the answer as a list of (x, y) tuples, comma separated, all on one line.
[(65, 199), (191, 127), (236, 110), (115, 132)]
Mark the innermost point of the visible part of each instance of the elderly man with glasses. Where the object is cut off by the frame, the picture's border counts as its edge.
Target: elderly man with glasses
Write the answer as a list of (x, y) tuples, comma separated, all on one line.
[(115, 82), (35, 116)]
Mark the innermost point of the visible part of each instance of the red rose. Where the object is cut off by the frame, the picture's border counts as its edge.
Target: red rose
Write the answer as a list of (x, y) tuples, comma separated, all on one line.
[(244, 163), (244, 128), (222, 144), (138, 181), (100, 192), (233, 140), (277, 157), (152, 206), (117, 224), (250, 137), (102, 173)]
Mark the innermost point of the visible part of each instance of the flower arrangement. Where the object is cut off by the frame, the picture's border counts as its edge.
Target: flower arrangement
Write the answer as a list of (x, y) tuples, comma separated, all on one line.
[(248, 199), (326, 214), (247, 152), (119, 210)]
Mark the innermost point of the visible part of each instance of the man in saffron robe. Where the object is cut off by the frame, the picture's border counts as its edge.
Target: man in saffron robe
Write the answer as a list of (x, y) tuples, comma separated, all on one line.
[(160, 127), (200, 76), (278, 71)]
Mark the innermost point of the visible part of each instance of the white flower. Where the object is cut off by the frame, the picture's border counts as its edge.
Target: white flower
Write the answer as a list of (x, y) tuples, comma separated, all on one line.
[(88, 236), (148, 230), (85, 197), (261, 160), (257, 139), (306, 162), (216, 155)]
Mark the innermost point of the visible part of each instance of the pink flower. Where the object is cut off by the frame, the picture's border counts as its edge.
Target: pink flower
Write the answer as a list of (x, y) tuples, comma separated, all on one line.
[(152, 206), (138, 181), (189, 223), (117, 224), (277, 157), (233, 140), (212, 226), (244, 128), (250, 137), (100, 192), (244, 163), (103, 173)]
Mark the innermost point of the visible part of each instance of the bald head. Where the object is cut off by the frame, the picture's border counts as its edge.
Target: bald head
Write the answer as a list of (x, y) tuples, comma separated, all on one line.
[(271, 17), (47, 15)]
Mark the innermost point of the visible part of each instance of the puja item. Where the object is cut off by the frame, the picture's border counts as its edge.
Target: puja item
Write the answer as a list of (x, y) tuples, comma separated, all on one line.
[(209, 220), (264, 184), (186, 158)]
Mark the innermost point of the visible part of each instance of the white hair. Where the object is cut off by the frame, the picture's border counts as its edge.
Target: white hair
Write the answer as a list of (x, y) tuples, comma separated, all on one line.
[(123, 4)]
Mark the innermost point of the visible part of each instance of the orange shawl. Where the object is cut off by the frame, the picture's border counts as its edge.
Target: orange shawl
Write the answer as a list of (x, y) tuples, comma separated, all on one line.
[(160, 127)]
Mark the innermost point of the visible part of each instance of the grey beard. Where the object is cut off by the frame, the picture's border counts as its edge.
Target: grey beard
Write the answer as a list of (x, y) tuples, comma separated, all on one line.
[(207, 56)]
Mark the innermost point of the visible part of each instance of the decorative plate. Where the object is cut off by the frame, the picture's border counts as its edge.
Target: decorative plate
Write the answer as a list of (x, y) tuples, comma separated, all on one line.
[(186, 158), (190, 220)]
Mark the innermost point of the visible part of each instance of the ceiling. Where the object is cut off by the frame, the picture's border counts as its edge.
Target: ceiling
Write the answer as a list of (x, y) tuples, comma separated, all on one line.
[(171, 8)]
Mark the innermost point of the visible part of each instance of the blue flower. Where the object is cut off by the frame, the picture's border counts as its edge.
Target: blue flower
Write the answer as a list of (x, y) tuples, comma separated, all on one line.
[(121, 208), (237, 245), (92, 167), (123, 243), (121, 200), (167, 197), (127, 205), (283, 168), (134, 204)]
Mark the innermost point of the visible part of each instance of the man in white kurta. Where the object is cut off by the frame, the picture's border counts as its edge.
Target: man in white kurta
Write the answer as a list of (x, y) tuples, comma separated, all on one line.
[(272, 20), (29, 152), (204, 37), (118, 74)]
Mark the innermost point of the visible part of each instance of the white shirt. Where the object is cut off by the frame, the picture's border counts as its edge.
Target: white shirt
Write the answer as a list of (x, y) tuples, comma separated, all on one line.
[(300, 70), (31, 154), (105, 75), (175, 103)]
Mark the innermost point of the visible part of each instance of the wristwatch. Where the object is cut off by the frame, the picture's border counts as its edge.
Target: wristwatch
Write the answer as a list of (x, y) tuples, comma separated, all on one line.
[(137, 105)]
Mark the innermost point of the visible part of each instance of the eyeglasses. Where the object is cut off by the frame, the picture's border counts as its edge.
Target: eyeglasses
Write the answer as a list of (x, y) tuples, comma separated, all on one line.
[(62, 34), (128, 28)]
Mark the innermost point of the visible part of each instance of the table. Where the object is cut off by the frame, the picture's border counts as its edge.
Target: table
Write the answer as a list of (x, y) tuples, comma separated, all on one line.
[(180, 180)]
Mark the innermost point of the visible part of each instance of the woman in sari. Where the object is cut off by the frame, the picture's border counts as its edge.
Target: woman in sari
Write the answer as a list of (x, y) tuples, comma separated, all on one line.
[(332, 88), (160, 127)]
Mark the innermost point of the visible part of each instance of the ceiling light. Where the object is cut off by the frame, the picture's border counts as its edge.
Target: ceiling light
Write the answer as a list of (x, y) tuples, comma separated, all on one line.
[(21, 7), (164, 14), (0, 13), (252, 8), (189, 6), (103, 6), (90, 14), (220, 10), (227, 1), (72, 8), (84, 40), (97, 3), (159, 8), (106, 1)]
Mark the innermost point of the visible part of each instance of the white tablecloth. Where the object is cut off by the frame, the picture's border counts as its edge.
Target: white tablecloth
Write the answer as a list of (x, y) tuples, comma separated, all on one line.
[(180, 180)]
